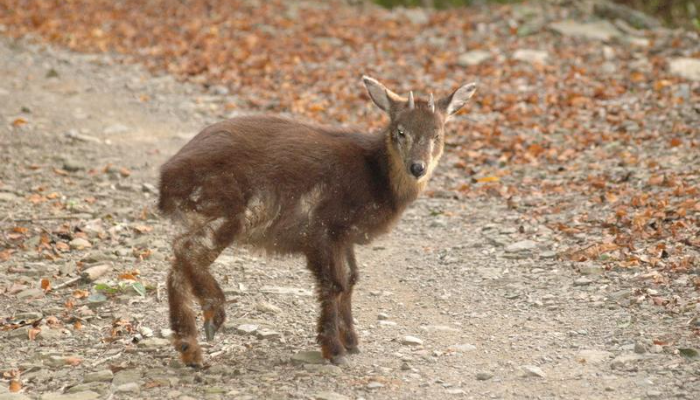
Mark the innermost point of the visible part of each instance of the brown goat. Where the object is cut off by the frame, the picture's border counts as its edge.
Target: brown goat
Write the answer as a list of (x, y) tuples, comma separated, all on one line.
[(292, 188)]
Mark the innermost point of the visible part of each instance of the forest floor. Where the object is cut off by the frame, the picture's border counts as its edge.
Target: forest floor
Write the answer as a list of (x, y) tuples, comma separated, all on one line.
[(554, 255)]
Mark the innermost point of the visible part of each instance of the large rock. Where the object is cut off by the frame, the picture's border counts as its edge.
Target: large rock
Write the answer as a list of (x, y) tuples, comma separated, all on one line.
[(531, 56), (474, 57), (688, 68), (599, 30)]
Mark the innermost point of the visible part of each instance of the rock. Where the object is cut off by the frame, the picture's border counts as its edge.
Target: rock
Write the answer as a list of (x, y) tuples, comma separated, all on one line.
[(246, 329), (99, 387), (330, 396), (49, 334), (599, 30), (656, 349), (382, 316), (591, 270), (411, 341), (688, 68), (455, 391), (460, 348), (166, 333), (116, 129), (324, 369), (126, 376), (153, 342), (523, 245), (30, 294), (532, 370), (417, 16), (8, 197), (91, 274), (594, 356), (104, 375), (637, 19), (267, 334), (474, 57), (387, 323), (640, 348), (285, 290), (266, 307), (72, 165), (85, 395), (14, 396), (374, 385), (620, 361), (531, 56), (308, 357), (79, 244), (130, 387), (583, 281), (483, 376), (146, 331)]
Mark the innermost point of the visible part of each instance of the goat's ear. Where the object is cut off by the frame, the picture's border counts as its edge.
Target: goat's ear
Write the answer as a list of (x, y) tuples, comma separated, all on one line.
[(449, 105), (381, 96)]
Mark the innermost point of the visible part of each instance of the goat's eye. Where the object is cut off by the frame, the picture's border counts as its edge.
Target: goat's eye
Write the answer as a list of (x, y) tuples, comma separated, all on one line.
[(401, 133)]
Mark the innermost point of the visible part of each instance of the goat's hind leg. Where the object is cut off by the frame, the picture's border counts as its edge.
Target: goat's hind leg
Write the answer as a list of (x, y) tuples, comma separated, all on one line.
[(182, 317)]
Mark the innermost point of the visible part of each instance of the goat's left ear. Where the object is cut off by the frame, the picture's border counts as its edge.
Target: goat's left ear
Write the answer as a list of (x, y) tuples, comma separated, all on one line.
[(449, 105)]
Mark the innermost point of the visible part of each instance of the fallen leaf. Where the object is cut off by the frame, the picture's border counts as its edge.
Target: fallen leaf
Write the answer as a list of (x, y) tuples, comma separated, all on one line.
[(19, 122), (15, 386), (33, 332), (45, 285)]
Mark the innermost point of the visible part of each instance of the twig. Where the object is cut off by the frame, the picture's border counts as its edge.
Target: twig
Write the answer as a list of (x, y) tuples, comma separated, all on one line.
[(158, 292), (112, 357), (46, 218), (67, 283)]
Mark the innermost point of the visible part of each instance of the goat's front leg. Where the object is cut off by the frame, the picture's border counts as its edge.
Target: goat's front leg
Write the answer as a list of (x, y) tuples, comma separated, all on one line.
[(347, 326), (328, 266)]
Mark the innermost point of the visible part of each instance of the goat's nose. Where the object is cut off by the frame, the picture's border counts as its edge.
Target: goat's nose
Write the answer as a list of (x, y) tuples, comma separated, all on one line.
[(418, 169)]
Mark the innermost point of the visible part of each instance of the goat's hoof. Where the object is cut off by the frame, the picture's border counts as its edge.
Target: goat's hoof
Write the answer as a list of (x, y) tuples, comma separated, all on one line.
[(353, 350), (209, 330), (339, 360)]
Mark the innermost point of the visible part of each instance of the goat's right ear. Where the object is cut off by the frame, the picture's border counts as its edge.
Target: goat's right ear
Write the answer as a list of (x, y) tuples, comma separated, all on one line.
[(381, 96)]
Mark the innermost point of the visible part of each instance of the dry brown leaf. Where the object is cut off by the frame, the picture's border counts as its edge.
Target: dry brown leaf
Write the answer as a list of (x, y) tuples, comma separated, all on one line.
[(33, 332), (45, 285), (15, 386)]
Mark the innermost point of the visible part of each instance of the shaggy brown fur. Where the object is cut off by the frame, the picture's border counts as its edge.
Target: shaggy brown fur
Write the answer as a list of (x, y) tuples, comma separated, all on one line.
[(292, 188)]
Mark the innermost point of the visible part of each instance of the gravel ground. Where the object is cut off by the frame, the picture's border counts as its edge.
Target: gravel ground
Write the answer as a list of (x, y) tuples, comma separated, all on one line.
[(466, 298)]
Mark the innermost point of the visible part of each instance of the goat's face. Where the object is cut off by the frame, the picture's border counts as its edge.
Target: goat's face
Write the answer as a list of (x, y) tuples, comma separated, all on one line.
[(416, 132), (416, 137)]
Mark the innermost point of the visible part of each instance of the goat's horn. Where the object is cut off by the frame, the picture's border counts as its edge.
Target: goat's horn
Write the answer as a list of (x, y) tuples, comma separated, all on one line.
[(411, 104), (431, 103)]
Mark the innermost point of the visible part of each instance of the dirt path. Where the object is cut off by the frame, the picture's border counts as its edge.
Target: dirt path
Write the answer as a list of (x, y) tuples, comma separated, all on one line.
[(495, 314)]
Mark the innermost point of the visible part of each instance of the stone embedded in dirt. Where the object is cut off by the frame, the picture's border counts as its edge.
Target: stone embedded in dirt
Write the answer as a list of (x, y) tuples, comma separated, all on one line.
[(14, 396), (382, 316), (285, 290), (126, 376), (387, 323), (104, 375), (153, 342), (374, 385), (411, 341), (116, 129), (8, 197), (266, 307), (330, 396), (620, 361), (79, 244), (30, 294), (99, 387), (146, 331), (455, 391), (49, 334), (308, 357), (439, 328), (531, 56), (86, 395), (324, 369), (91, 274), (72, 165), (523, 245), (246, 329), (640, 348), (656, 349), (28, 315), (267, 334), (591, 270), (483, 376), (166, 333), (464, 347), (594, 356), (130, 387), (21, 333), (688, 68), (474, 57), (532, 370), (599, 30), (149, 188), (583, 281)]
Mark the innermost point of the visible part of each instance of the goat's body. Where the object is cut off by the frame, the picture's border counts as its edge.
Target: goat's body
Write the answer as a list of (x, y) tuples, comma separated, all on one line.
[(282, 186), (290, 188)]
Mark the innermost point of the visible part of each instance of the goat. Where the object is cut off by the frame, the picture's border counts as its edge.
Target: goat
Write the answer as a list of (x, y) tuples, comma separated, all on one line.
[(287, 187)]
